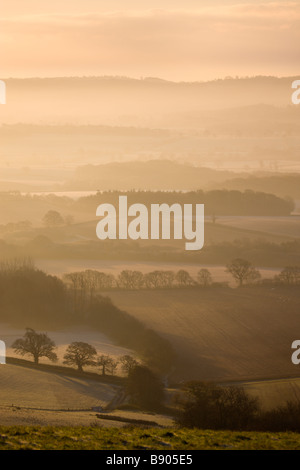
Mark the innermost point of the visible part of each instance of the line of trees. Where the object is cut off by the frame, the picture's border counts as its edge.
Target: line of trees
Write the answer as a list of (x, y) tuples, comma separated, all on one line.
[(143, 385), (78, 353), (88, 282), (85, 284)]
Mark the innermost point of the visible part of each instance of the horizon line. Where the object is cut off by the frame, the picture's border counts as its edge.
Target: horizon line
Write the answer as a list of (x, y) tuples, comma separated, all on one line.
[(149, 78)]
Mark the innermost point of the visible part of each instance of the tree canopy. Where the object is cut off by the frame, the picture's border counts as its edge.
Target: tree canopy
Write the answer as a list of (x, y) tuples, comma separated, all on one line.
[(80, 354), (36, 344)]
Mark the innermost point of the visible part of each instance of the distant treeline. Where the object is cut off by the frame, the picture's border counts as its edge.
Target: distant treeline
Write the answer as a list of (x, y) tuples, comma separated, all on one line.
[(30, 297), (24, 129), (259, 251), (282, 184), (87, 283), (217, 202), (16, 226)]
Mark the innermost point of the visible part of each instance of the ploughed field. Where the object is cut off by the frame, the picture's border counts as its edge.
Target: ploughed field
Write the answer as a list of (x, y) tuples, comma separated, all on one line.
[(222, 334)]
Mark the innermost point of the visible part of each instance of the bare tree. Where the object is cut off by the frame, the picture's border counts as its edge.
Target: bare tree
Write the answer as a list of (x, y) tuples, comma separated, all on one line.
[(105, 362), (290, 275), (159, 279), (204, 277), (80, 354), (35, 344), (242, 271), (80, 286), (131, 279), (128, 363), (113, 366), (153, 279), (105, 281), (183, 278)]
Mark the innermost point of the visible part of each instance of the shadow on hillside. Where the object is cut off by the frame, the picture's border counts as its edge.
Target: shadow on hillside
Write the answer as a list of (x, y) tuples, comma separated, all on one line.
[(66, 372)]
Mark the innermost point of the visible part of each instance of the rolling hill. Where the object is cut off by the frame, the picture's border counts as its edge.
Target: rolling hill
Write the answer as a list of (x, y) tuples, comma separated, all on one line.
[(221, 334)]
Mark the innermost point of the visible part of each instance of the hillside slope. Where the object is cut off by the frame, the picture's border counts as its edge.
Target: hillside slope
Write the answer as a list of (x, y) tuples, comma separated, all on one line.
[(27, 387), (222, 333)]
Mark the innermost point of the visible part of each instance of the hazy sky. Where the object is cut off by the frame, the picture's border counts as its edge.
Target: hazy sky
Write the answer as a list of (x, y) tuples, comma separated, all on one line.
[(171, 39)]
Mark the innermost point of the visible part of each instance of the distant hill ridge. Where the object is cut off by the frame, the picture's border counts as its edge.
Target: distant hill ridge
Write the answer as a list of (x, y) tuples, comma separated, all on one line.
[(84, 99), (148, 175)]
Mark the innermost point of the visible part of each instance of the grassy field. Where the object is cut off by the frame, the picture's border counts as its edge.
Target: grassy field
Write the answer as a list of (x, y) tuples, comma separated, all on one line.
[(273, 393), (55, 395), (28, 387), (222, 334), (60, 396), (129, 438)]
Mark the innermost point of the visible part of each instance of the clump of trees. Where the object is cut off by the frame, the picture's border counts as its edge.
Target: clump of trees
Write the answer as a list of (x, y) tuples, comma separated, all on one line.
[(290, 275), (80, 354), (54, 218), (128, 363), (145, 387), (211, 406), (27, 292)]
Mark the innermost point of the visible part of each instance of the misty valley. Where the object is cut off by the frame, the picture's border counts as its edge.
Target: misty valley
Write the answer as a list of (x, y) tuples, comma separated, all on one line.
[(150, 259)]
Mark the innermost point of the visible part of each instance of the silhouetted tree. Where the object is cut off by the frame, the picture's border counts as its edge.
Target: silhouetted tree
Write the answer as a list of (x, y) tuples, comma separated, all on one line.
[(105, 362), (130, 279), (204, 277), (113, 366), (289, 275), (53, 219), (128, 363), (35, 344), (242, 271), (183, 278), (80, 354)]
